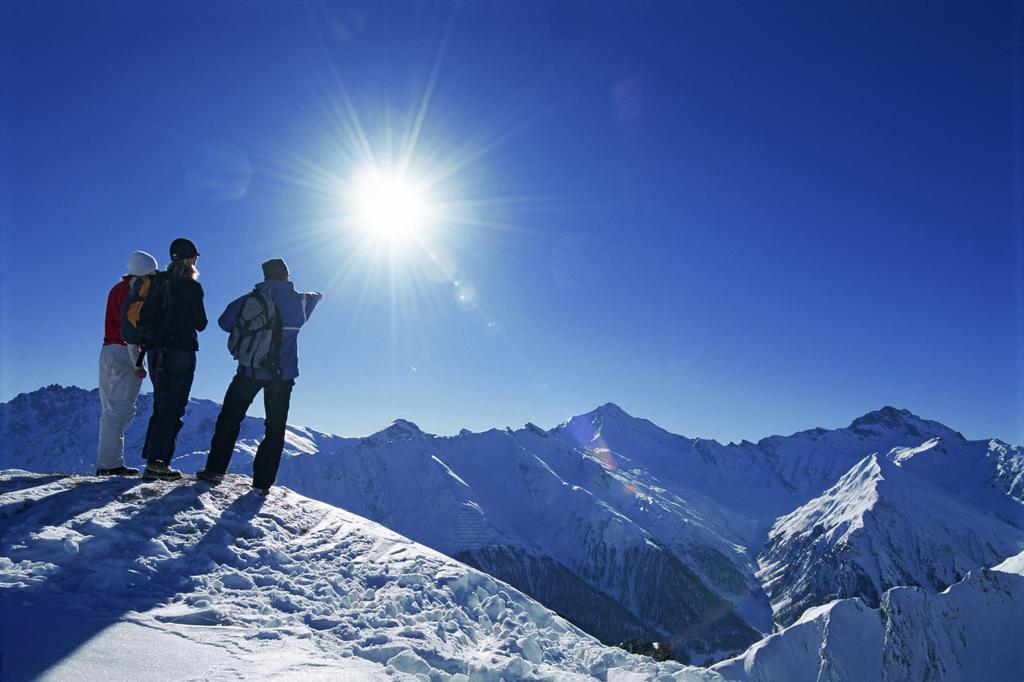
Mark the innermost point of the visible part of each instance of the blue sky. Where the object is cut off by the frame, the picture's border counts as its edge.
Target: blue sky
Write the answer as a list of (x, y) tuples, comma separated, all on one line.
[(733, 219)]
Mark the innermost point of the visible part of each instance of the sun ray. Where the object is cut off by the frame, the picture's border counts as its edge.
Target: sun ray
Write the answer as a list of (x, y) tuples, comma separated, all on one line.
[(409, 151)]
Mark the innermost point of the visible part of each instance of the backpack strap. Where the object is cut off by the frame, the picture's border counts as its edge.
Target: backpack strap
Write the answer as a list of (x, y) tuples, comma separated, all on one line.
[(137, 292), (276, 342), (168, 330)]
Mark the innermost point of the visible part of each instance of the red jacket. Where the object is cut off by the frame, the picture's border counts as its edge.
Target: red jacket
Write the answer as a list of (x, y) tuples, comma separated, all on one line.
[(115, 299)]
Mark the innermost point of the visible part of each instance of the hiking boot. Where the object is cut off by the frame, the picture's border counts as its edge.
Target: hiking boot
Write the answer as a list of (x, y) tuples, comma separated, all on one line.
[(262, 491), (159, 471), (118, 471), (209, 476)]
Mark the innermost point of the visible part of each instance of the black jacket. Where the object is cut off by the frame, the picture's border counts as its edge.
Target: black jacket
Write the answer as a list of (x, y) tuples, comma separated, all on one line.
[(187, 314)]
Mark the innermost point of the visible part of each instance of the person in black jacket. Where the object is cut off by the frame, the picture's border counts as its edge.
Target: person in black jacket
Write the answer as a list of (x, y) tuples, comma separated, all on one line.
[(173, 365)]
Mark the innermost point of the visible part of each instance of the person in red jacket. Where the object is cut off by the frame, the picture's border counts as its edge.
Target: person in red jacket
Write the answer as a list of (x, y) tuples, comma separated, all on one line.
[(120, 379)]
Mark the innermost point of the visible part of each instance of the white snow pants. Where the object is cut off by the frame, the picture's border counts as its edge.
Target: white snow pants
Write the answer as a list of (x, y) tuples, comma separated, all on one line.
[(118, 389)]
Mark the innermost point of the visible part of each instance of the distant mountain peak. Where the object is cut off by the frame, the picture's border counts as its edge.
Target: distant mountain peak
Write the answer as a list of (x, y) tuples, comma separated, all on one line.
[(895, 420), (404, 425), (606, 412), (400, 429), (890, 418), (57, 390), (536, 430), (611, 410), (887, 416), (608, 420)]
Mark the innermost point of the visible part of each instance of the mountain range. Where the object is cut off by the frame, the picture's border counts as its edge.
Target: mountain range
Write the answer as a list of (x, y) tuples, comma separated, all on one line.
[(634, 533)]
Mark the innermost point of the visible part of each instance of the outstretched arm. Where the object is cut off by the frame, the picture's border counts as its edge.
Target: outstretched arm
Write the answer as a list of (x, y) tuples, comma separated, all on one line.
[(309, 302)]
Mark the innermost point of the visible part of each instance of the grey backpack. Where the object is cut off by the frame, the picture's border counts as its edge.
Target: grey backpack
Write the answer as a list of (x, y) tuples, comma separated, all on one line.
[(255, 338)]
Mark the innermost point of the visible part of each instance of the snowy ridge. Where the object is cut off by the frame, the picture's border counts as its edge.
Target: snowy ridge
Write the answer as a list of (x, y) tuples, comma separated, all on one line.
[(56, 429), (221, 571), (878, 527), (971, 631)]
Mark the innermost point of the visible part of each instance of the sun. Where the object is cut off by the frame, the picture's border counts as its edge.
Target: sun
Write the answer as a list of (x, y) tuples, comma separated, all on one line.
[(390, 208)]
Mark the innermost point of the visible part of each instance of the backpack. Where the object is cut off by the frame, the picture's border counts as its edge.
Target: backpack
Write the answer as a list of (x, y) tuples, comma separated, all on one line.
[(145, 314), (255, 337)]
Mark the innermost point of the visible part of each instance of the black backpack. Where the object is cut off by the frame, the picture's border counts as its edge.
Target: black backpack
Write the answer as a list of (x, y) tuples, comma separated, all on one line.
[(145, 315)]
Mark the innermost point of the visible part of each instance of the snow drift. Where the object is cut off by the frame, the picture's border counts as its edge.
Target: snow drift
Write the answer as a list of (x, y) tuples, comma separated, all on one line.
[(118, 578), (970, 631)]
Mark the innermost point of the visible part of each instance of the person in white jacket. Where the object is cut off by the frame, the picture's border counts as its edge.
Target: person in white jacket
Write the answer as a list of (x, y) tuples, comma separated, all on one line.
[(120, 378)]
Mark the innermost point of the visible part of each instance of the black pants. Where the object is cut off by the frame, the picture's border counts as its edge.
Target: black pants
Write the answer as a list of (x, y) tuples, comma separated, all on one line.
[(172, 371), (277, 395)]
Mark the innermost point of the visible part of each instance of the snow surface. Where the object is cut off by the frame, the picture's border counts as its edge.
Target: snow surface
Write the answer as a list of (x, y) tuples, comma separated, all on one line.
[(124, 579), (971, 631)]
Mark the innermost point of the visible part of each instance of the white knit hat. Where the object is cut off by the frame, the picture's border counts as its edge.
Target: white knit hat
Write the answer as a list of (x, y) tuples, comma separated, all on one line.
[(141, 263)]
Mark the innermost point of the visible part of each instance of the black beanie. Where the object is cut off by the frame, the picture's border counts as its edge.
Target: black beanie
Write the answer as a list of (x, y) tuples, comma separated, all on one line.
[(275, 268), (182, 248)]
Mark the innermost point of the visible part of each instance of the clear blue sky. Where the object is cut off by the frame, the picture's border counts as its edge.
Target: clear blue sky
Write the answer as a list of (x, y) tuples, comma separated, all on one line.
[(734, 219)]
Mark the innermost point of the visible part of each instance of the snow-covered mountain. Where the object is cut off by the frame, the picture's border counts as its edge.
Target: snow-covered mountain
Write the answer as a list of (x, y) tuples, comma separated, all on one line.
[(629, 530), (123, 579), (970, 631), (878, 527)]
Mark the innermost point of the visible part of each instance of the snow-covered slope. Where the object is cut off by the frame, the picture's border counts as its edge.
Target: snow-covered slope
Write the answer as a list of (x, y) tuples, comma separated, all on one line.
[(624, 528), (971, 631), (613, 551), (879, 527), (120, 579)]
